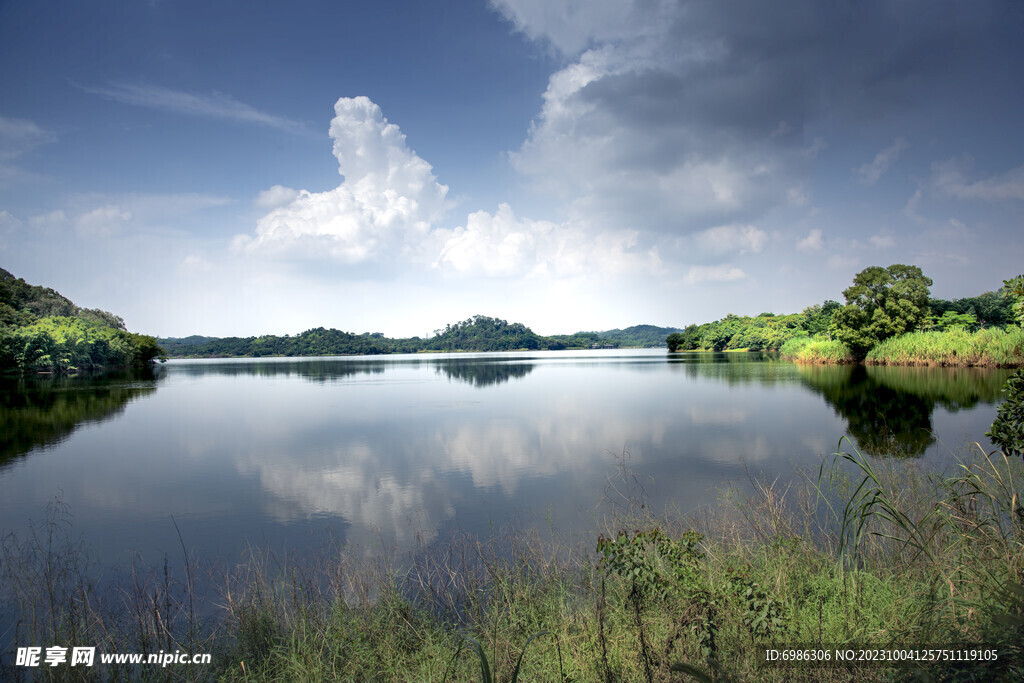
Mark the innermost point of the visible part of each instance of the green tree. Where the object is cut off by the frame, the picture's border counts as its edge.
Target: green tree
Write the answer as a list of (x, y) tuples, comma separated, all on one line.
[(1008, 428), (882, 303), (818, 318)]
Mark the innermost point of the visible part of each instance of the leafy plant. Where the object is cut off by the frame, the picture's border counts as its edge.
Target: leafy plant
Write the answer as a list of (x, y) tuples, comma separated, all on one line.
[(1007, 429)]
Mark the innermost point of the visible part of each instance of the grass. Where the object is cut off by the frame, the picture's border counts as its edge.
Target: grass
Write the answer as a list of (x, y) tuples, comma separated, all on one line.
[(991, 347), (815, 351), (862, 552)]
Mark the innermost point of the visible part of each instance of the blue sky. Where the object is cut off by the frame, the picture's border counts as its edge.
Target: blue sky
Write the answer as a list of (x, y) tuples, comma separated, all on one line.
[(237, 168)]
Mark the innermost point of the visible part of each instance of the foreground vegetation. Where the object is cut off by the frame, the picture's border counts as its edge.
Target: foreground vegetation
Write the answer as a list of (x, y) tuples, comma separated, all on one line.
[(863, 553), (42, 331)]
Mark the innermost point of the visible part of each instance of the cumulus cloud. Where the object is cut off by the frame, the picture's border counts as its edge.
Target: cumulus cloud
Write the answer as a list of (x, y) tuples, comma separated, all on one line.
[(276, 196), (386, 203), (815, 241), (505, 245), (870, 173)]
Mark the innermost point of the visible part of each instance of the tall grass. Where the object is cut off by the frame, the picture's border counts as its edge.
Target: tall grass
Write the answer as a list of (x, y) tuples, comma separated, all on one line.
[(858, 553), (815, 351), (991, 347)]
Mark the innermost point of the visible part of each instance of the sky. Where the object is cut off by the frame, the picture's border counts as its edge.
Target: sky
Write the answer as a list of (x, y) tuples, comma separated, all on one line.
[(237, 168)]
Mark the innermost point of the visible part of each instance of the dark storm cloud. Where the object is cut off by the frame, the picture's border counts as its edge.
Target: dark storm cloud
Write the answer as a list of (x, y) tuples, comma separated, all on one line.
[(708, 112)]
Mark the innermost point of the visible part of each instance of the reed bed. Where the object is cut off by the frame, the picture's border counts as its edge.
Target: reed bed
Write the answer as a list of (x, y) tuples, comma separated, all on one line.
[(809, 350), (991, 347)]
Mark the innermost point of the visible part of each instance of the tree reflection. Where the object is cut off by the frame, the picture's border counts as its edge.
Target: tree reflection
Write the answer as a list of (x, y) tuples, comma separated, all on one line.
[(482, 374), (37, 412), (888, 410), (479, 372)]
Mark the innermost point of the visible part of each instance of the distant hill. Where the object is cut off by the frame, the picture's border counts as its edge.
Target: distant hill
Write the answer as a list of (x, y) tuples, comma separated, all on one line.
[(479, 333), (639, 335), (22, 304)]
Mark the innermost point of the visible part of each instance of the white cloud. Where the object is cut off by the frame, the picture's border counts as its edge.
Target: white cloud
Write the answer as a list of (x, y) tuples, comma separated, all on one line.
[(882, 241), (721, 273), (725, 239), (105, 221), (870, 173), (815, 241), (386, 203), (196, 263), (49, 219), (504, 245), (951, 178), (214, 105), (276, 196), (573, 25), (19, 135)]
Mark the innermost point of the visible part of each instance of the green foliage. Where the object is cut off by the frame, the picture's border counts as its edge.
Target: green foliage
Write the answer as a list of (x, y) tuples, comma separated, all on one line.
[(949, 320), (990, 347), (486, 674), (673, 571), (882, 303), (733, 332), (991, 309), (804, 349), (481, 333), (40, 330), (687, 340), (1007, 429), (62, 344), (818, 318), (1014, 290)]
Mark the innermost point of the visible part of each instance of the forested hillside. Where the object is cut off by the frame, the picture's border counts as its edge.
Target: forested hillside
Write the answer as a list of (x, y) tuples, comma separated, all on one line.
[(479, 333), (41, 330)]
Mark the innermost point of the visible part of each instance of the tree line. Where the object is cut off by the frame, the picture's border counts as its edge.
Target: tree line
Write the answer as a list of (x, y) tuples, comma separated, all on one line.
[(477, 333), (881, 303)]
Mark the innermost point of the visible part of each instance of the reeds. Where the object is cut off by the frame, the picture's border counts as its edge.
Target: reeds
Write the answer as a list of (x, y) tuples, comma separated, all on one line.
[(816, 351), (991, 347)]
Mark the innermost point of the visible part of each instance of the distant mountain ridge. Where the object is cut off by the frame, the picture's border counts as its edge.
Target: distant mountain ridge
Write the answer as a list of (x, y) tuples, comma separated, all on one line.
[(479, 333)]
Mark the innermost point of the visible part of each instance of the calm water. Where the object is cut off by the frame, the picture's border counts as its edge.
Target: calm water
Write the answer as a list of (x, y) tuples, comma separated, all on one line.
[(397, 451)]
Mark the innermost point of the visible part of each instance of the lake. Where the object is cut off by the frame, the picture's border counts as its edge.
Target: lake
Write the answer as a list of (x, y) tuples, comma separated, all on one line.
[(396, 452)]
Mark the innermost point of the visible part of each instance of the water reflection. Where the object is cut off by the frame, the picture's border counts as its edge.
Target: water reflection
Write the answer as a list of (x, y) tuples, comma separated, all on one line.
[(399, 450), (473, 370), (889, 410), (39, 411)]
